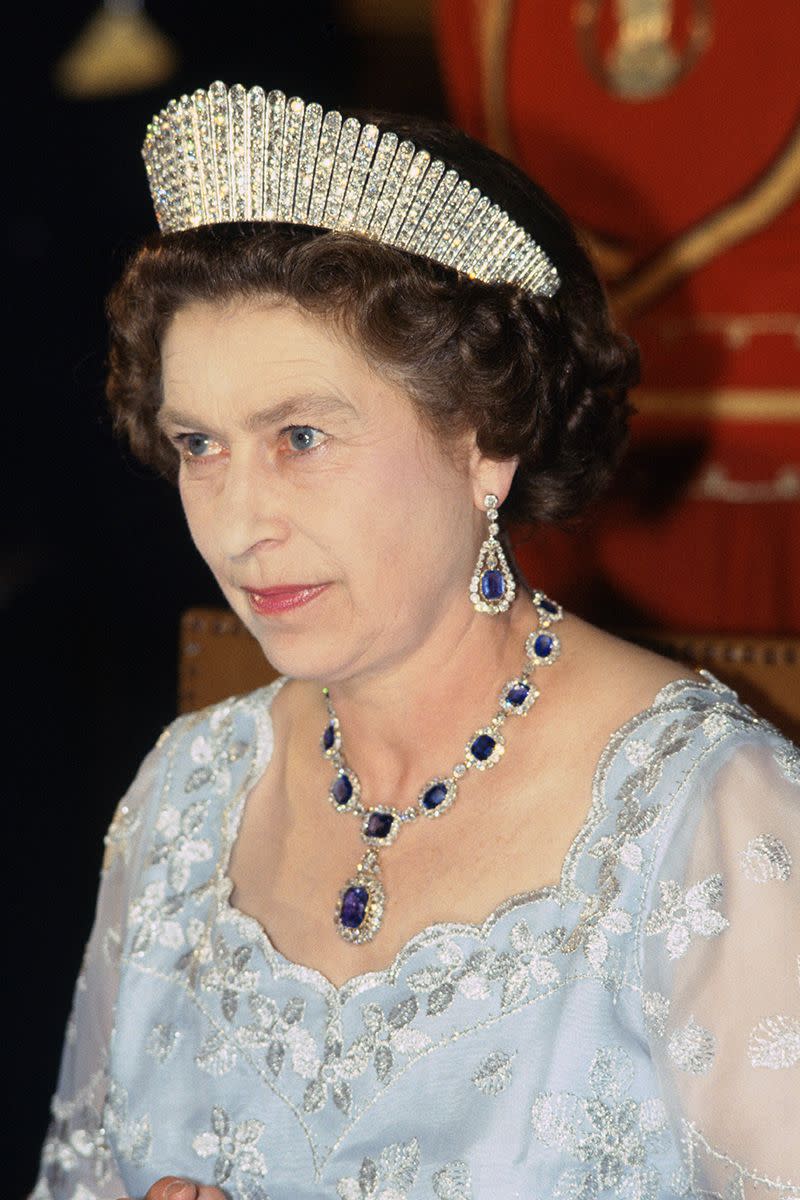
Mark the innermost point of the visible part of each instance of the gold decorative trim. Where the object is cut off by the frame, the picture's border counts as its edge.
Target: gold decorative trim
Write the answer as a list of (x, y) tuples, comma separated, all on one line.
[(720, 404), (744, 215), (493, 18), (754, 209)]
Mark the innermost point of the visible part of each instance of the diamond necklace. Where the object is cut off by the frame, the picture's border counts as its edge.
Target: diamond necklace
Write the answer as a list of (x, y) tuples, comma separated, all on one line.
[(360, 906)]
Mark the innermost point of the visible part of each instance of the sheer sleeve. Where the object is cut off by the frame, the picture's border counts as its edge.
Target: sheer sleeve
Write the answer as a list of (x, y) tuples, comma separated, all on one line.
[(721, 974), (76, 1162)]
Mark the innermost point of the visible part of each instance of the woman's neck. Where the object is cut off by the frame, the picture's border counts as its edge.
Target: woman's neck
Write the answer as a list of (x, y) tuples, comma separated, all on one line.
[(408, 719)]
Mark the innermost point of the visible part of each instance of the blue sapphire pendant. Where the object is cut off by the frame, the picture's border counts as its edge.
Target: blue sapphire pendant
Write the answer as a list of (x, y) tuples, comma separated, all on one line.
[(380, 826), (359, 909)]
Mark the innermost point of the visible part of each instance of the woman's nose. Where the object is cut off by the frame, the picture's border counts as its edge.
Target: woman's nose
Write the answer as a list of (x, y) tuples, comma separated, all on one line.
[(250, 507)]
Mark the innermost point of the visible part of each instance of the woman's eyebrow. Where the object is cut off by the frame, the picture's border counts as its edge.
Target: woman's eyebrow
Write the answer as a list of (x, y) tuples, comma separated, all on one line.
[(307, 403)]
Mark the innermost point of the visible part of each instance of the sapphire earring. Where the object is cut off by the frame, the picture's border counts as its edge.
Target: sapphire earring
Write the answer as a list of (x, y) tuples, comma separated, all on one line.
[(492, 587)]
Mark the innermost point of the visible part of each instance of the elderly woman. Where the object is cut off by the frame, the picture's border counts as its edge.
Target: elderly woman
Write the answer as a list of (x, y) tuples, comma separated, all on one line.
[(475, 900)]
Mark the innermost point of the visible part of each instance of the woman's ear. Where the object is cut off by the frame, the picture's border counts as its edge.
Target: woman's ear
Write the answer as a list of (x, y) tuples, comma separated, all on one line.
[(490, 476)]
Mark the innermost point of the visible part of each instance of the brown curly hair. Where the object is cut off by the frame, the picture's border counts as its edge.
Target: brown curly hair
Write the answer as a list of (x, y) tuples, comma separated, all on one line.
[(542, 379)]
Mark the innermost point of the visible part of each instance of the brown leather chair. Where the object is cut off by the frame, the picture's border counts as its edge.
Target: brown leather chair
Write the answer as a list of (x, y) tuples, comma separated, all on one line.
[(219, 658)]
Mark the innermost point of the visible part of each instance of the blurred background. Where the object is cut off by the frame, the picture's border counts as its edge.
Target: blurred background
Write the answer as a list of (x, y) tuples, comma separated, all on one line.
[(669, 131)]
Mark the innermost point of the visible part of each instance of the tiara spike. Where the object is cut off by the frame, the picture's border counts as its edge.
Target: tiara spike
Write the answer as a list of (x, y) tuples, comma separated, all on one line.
[(256, 117), (376, 176), (416, 208), (276, 111), (228, 154), (309, 142), (342, 164), (392, 184), (359, 171), (328, 142), (290, 156), (238, 149)]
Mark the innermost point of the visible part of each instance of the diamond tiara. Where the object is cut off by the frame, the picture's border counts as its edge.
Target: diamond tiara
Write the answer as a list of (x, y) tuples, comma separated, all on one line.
[(229, 154)]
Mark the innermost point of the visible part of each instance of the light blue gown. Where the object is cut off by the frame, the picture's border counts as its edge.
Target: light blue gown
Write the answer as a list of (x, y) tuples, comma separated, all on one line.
[(632, 1032)]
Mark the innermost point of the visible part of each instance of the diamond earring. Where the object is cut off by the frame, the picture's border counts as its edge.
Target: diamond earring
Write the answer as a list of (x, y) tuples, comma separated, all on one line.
[(492, 587)]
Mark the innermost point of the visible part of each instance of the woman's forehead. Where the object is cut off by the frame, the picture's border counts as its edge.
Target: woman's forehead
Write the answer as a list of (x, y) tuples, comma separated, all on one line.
[(249, 356)]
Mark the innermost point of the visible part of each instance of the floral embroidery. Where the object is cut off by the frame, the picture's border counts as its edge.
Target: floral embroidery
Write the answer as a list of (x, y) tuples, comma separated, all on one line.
[(775, 1043), (215, 753), (124, 824), (611, 1134), (494, 1074), (177, 844), (394, 1173), (526, 965), (390, 1178), (162, 1042), (680, 915), (655, 1007), (237, 1158), (765, 858), (131, 1138), (453, 1182), (76, 1140), (383, 1038), (787, 756), (230, 975), (692, 1048), (633, 821), (152, 916)]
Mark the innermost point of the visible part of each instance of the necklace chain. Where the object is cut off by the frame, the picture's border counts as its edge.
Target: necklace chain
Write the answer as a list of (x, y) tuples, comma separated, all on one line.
[(359, 910)]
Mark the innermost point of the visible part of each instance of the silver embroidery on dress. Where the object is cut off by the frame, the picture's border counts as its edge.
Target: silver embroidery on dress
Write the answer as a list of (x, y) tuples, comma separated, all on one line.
[(162, 1042), (681, 914), (494, 1074), (391, 1175), (775, 1043), (612, 1135), (766, 858), (131, 1137), (655, 1007), (692, 1048), (238, 1162)]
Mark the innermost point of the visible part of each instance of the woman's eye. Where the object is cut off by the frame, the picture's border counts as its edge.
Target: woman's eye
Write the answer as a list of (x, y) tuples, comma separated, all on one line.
[(303, 437), (194, 446)]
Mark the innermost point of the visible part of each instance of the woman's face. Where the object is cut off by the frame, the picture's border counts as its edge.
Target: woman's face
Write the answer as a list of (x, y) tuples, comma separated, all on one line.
[(303, 467)]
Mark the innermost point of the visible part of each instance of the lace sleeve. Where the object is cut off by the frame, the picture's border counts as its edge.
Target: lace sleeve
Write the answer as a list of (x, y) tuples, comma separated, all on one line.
[(76, 1161), (721, 946)]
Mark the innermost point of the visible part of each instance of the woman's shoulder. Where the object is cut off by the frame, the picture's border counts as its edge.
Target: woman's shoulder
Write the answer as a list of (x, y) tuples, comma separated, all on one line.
[(247, 713)]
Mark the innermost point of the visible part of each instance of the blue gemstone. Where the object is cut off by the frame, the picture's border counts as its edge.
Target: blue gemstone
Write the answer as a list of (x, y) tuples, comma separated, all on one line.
[(517, 694), (434, 796), (354, 907), (329, 736), (493, 585), (482, 747), (379, 825), (342, 789), (548, 606), (543, 645)]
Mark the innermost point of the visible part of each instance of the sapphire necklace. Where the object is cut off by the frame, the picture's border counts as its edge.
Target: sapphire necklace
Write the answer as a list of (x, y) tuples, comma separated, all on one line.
[(362, 900)]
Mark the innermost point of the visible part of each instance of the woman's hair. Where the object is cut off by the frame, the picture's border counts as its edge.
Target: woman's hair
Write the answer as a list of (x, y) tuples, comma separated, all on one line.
[(544, 380)]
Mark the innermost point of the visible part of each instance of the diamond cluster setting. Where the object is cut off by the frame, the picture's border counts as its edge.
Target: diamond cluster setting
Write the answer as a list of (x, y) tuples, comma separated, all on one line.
[(229, 154), (361, 903)]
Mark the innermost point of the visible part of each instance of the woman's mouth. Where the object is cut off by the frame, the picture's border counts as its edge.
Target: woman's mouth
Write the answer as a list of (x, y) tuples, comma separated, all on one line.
[(267, 601)]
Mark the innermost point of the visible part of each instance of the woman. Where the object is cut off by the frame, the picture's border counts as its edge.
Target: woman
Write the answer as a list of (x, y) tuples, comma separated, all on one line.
[(563, 953)]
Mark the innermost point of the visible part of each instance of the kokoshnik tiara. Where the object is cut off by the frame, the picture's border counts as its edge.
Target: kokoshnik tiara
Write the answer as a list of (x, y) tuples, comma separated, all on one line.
[(229, 154)]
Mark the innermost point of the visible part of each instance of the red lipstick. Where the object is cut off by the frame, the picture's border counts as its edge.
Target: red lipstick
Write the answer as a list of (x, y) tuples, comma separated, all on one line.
[(268, 601)]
